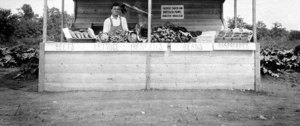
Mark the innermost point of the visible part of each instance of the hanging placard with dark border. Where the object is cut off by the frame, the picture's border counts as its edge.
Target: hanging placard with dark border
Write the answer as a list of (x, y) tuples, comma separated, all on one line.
[(172, 12)]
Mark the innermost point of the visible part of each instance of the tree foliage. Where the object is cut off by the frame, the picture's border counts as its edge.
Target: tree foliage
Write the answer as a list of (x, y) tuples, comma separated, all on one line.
[(240, 23), (262, 30), (294, 35), (7, 25), (54, 23), (26, 12), (26, 27), (278, 31)]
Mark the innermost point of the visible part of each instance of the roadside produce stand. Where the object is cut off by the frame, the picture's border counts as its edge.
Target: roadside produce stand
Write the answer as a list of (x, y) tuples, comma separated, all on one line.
[(219, 61)]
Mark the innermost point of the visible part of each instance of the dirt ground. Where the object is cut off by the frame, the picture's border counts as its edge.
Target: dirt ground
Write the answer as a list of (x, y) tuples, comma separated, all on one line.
[(277, 104)]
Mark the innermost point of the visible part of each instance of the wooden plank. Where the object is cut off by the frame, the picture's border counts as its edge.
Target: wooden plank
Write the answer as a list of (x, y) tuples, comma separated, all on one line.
[(214, 57), (95, 68), (234, 46), (93, 86), (148, 58), (154, 1), (195, 10), (41, 85), (202, 68), (156, 16), (202, 78), (82, 25), (192, 16), (95, 78), (95, 57), (216, 85), (109, 2), (257, 84), (194, 21), (106, 46)]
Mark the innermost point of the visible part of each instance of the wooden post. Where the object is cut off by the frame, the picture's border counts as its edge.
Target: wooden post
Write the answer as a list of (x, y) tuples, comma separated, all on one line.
[(41, 67), (149, 19), (235, 13), (257, 81), (257, 68), (42, 51), (62, 20), (254, 21), (148, 59), (45, 21)]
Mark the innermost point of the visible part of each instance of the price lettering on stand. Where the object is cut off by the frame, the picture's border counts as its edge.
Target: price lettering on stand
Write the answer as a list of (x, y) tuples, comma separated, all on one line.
[(191, 47), (234, 46), (64, 47), (105, 47)]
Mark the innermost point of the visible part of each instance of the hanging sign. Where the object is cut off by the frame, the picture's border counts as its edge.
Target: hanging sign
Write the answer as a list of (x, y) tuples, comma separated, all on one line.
[(172, 12)]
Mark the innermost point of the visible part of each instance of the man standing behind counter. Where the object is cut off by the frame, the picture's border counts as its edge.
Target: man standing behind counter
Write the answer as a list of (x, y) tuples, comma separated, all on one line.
[(115, 22)]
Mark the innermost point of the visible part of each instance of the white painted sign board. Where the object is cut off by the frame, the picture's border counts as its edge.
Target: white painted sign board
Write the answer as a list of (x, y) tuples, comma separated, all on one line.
[(172, 12), (106, 46)]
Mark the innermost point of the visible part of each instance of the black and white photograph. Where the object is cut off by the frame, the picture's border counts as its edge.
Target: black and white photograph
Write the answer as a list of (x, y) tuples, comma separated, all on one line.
[(149, 63)]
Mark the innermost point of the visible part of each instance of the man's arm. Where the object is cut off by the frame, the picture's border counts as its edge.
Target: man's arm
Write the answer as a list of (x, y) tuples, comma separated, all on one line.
[(106, 26), (124, 24)]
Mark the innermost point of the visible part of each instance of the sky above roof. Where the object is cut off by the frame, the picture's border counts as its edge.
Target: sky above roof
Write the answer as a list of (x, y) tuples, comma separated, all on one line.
[(285, 12)]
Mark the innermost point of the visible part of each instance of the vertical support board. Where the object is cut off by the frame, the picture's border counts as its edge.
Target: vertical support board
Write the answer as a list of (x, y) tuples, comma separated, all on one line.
[(62, 20), (148, 70), (257, 68), (41, 67), (45, 21)]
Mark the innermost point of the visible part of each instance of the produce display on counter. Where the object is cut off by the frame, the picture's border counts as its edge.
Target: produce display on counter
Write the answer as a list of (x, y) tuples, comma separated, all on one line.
[(234, 35), (81, 35), (163, 34), (119, 37), (170, 33)]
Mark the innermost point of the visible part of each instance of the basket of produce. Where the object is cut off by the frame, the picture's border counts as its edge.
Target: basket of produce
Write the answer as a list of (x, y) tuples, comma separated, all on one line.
[(234, 35), (120, 37), (80, 35)]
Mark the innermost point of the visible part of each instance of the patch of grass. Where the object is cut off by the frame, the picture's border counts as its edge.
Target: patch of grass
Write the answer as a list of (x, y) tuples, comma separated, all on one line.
[(7, 81), (282, 43)]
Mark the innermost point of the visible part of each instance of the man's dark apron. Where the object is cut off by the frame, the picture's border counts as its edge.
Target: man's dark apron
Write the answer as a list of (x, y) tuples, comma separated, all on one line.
[(113, 29)]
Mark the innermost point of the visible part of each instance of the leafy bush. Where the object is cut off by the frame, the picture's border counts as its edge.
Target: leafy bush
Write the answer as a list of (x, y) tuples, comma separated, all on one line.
[(25, 58), (275, 61), (294, 35)]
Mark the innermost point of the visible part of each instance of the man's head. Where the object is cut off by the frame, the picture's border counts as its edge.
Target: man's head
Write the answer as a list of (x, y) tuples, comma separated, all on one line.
[(115, 9)]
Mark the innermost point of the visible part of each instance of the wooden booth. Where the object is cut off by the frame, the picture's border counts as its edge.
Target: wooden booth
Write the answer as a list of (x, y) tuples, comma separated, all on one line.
[(66, 66)]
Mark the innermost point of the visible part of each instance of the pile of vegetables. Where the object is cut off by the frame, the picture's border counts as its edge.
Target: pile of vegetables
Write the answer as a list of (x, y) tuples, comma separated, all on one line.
[(119, 37), (237, 32), (244, 35), (275, 61), (170, 33), (81, 35), (25, 58), (167, 33)]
